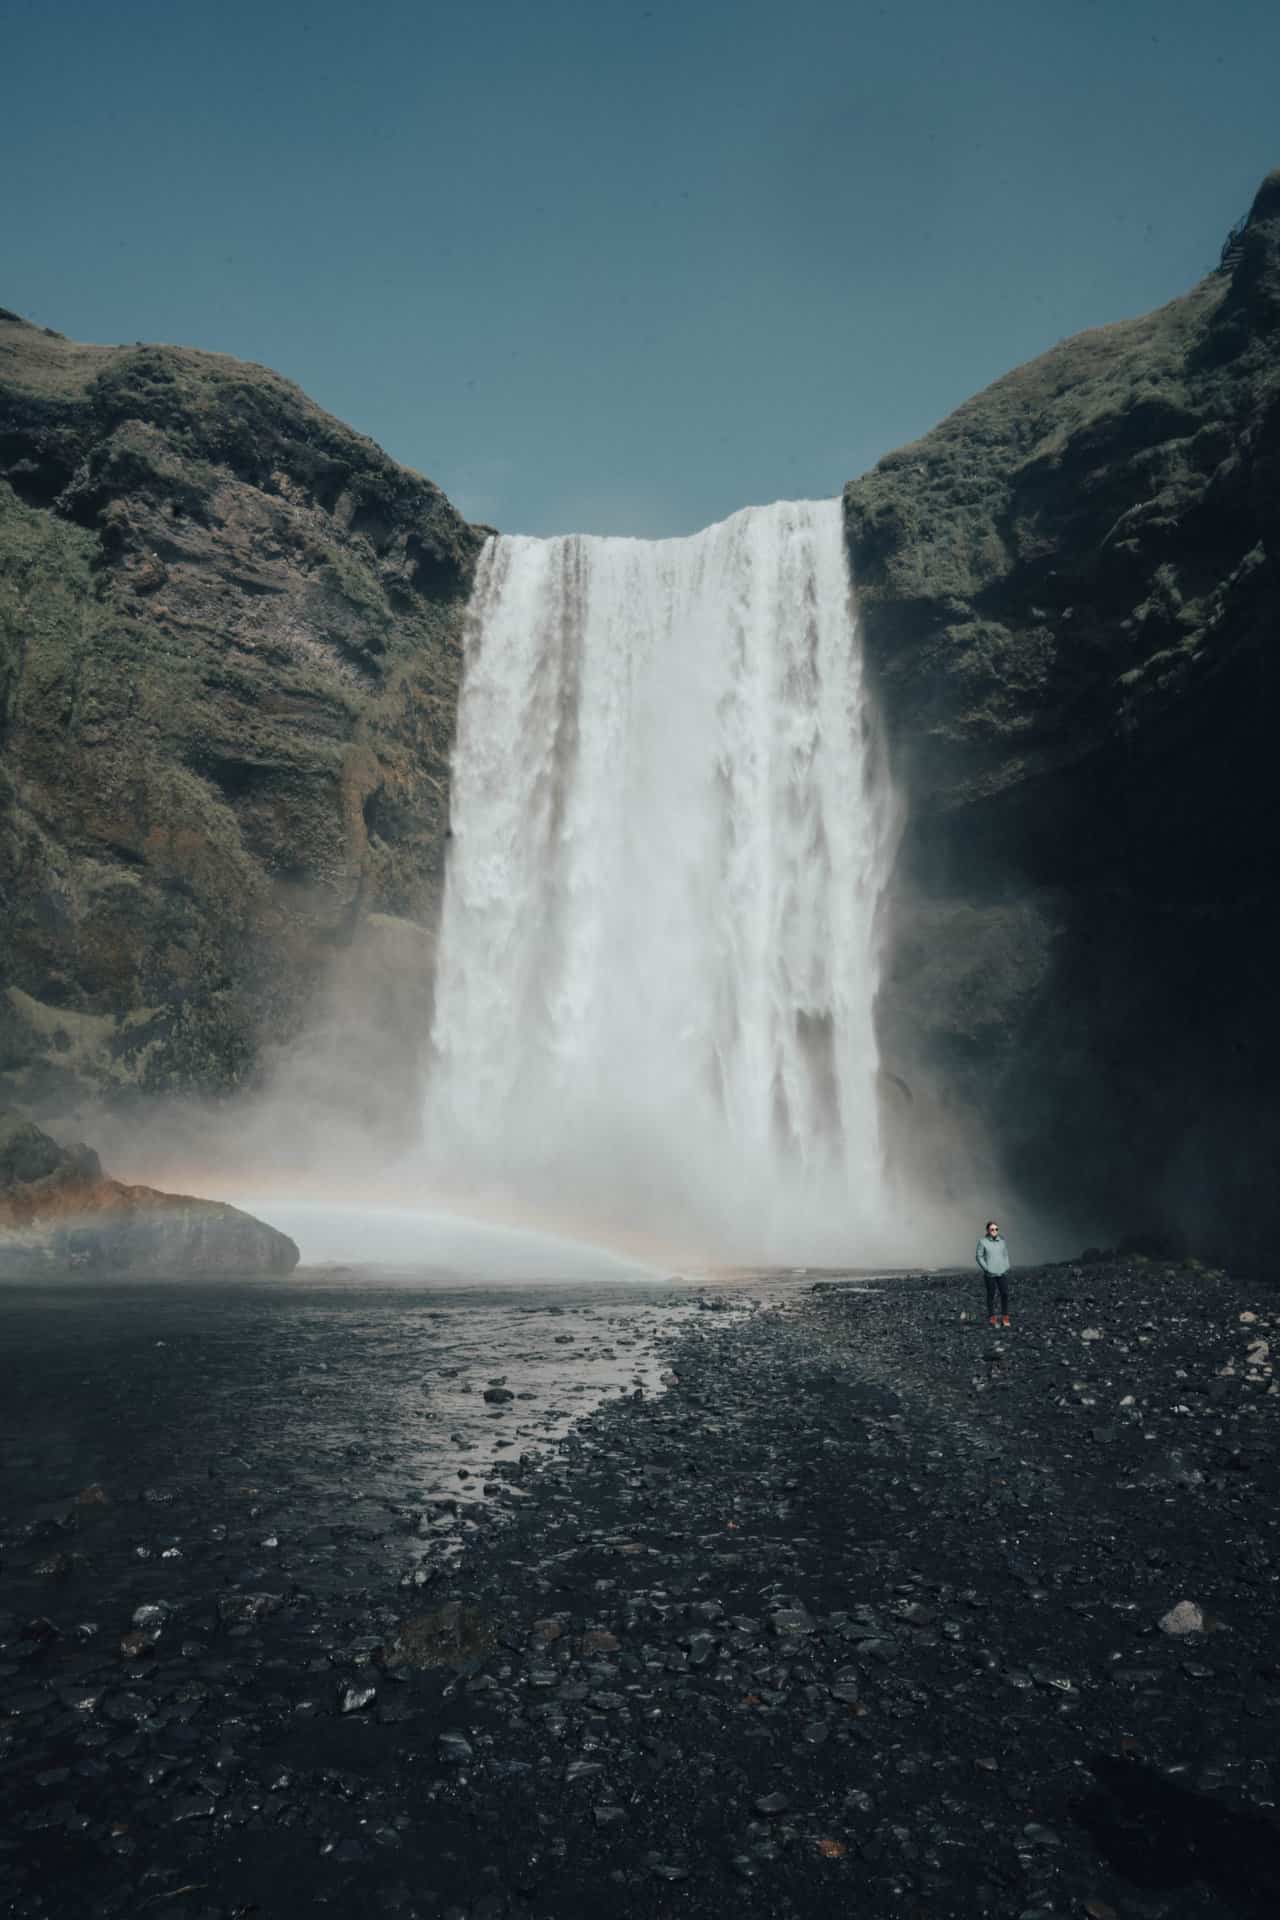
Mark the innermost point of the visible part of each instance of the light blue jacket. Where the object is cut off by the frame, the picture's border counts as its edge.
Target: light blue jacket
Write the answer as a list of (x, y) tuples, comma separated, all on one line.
[(993, 1255)]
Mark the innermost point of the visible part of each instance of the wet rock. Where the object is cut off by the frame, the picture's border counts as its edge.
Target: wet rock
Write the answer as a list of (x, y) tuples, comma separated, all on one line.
[(55, 1566), (599, 1640), (354, 1698), (916, 1614), (443, 1637), (790, 1623), (26, 1701), (454, 1749), (1053, 1681), (126, 1709), (665, 1869), (1184, 1618), (85, 1699), (245, 1609)]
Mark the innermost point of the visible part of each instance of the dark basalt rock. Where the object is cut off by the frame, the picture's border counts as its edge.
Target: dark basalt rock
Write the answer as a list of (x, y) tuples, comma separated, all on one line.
[(60, 1213), (1010, 1698), (450, 1635), (1069, 598)]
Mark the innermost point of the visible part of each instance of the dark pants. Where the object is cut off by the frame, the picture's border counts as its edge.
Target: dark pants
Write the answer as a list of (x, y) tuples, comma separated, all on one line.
[(993, 1281)]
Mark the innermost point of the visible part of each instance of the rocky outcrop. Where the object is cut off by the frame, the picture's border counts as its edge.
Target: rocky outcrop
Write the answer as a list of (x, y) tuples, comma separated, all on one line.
[(1070, 600), (59, 1213), (229, 658)]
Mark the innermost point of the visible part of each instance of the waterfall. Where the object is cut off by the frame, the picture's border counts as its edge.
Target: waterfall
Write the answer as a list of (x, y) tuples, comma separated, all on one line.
[(653, 1008)]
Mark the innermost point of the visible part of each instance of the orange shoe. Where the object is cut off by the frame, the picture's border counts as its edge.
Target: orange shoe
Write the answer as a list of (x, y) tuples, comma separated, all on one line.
[(994, 1321), (1005, 1321)]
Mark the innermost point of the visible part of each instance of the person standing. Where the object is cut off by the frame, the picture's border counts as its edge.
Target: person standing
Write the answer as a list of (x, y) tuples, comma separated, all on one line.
[(993, 1258)]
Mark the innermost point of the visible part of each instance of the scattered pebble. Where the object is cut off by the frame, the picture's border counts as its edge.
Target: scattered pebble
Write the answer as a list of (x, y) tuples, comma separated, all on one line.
[(822, 1631)]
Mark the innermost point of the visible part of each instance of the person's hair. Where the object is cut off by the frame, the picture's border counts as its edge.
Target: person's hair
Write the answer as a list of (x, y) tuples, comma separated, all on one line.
[(993, 1223)]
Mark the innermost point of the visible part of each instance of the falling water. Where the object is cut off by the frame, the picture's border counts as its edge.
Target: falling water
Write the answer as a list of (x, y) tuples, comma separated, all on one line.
[(654, 995)]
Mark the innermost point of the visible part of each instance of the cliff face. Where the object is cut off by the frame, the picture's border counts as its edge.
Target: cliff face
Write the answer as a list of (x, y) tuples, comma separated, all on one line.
[(229, 658), (1070, 601)]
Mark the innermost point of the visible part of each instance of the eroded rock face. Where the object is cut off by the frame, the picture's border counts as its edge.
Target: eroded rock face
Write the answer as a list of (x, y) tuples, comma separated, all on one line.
[(229, 657), (1070, 600), (59, 1213)]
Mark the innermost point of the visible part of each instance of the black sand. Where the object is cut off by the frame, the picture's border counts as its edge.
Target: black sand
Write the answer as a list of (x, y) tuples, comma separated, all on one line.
[(860, 1617)]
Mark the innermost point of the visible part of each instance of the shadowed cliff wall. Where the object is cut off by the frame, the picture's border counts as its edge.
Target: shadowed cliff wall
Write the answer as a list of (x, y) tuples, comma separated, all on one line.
[(1070, 602)]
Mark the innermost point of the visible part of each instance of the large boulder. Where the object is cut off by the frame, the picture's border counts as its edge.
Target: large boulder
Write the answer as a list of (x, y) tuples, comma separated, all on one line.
[(59, 1214), (1070, 602)]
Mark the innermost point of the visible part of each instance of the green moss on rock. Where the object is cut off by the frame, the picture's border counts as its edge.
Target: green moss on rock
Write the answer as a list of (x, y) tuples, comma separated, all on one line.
[(229, 640)]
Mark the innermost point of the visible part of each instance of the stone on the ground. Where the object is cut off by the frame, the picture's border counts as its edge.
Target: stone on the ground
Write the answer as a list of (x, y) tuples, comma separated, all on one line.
[(1186, 1617)]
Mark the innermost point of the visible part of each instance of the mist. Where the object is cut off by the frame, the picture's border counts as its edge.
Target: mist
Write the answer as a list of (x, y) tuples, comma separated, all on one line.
[(444, 1247), (645, 1033)]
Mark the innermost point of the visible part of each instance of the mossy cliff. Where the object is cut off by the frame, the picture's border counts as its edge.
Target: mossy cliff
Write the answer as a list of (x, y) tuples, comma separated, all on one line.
[(1071, 605), (229, 661)]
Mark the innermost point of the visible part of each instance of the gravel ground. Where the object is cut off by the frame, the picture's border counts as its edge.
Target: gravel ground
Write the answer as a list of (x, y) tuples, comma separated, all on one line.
[(870, 1611)]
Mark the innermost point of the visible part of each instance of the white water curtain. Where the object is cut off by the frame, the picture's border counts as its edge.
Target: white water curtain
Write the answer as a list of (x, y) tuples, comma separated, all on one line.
[(657, 965)]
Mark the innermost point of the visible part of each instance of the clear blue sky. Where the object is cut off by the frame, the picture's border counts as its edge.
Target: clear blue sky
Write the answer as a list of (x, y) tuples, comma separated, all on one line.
[(625, 268)]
